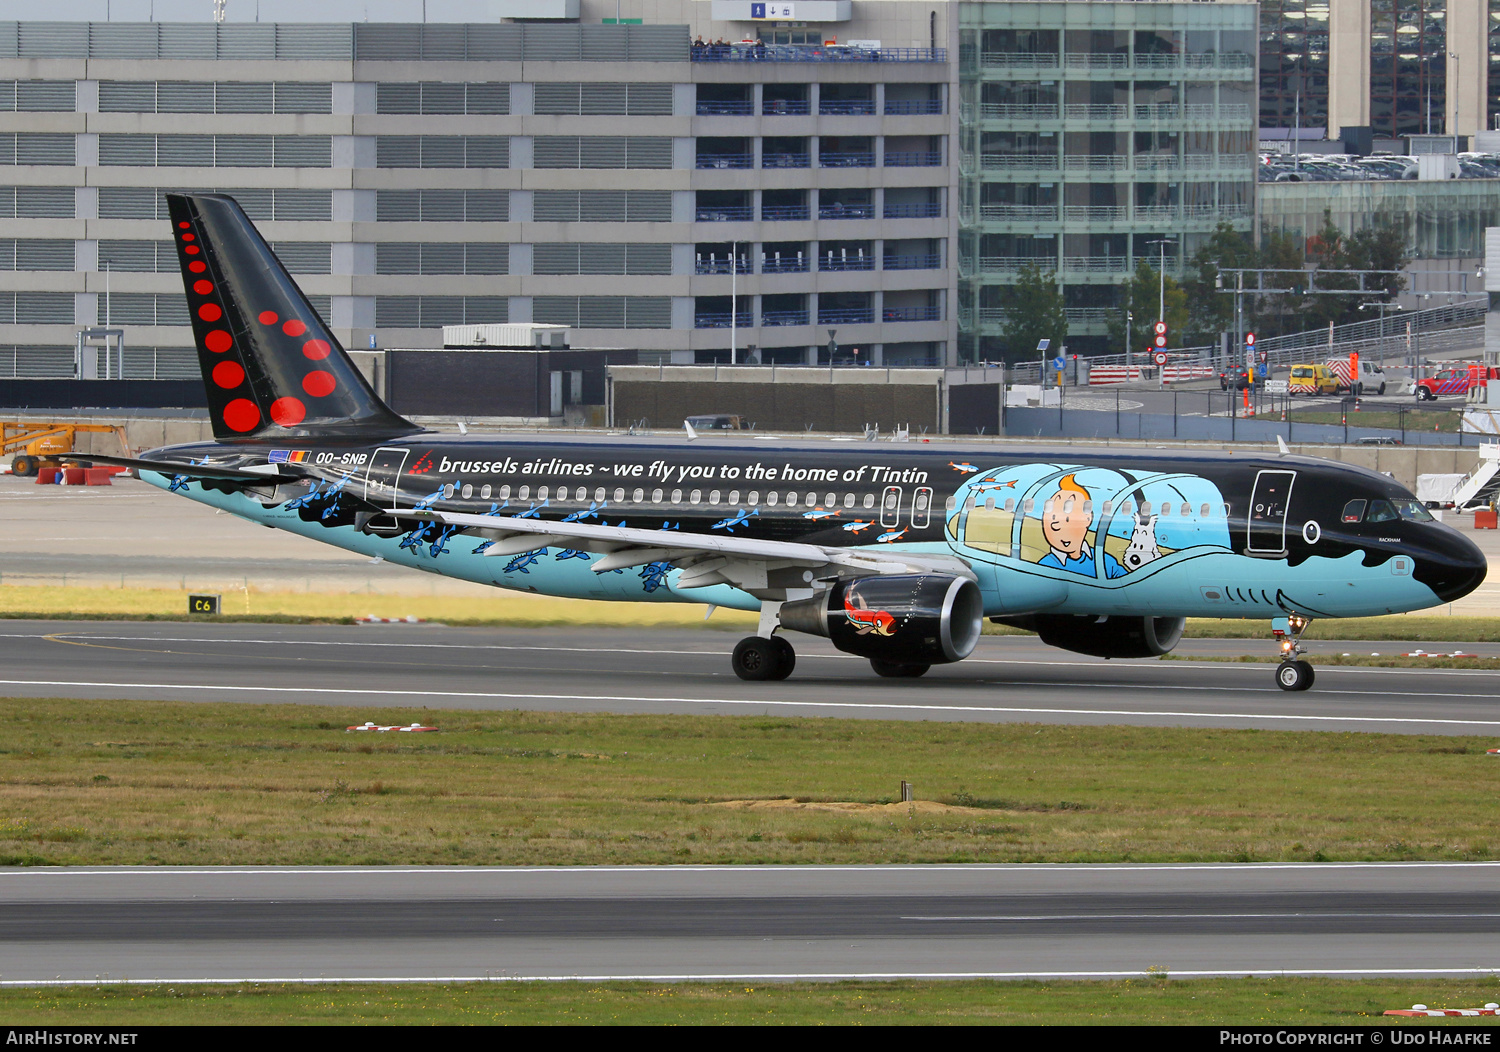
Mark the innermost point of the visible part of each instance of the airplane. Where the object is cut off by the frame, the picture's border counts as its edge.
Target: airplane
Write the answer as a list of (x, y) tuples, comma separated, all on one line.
[(1100, 552)]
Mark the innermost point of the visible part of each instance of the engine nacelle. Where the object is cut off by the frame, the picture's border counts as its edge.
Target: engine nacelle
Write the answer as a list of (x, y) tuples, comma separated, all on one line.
[(1110, 637), (917, 619)]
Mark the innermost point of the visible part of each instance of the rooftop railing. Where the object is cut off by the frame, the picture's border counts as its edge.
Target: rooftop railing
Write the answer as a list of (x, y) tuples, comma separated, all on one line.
[(907, 107), (726, 160), (846, 262), (785, 108), (920, 210), (775, 318), (913, 158), (783, 213), (744, 320), (723, 214), (930, 261), (911, 314), (845, 315), (846, 160), (783, 265), (785, 160), (845, 107), (840, 211)]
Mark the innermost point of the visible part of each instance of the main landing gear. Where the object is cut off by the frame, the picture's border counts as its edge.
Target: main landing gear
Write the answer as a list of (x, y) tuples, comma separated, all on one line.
[(1293, 673), (759, 658)]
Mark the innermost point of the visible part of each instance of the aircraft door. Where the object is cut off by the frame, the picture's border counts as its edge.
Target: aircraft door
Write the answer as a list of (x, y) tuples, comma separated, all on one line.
[(382, 480), (890, 507), (1266, 516)]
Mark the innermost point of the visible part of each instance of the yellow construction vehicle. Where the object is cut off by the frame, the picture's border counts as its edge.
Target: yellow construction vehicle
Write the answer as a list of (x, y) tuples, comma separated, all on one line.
[(38, 444)]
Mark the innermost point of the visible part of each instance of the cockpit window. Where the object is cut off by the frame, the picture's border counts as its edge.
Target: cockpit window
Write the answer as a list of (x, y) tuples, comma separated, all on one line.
[(1412, 510), (1381, 511), (1354, 511)]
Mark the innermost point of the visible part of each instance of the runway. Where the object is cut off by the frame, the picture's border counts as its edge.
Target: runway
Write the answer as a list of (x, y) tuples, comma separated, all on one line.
[(747, 923), (1009, 678)]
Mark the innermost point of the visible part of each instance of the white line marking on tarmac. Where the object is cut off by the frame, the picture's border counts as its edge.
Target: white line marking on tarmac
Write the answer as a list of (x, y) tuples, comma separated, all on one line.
[(741, 977), (766, 703), (1237, 666), (1147, 915)]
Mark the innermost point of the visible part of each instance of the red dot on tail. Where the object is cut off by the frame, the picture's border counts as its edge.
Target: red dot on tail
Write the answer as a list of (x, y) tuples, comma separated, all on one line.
[(191, 250), (218, 341), (241, 415), (294, 328), (288, 412), (268, 317), (210, 312), (229, 375), (203, 286), (197, 266), (190, 237), (319, 383), (317, 350), (184, 226)]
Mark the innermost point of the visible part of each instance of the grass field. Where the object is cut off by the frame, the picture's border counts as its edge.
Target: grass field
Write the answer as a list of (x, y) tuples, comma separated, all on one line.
[(1202, 1002), (85, 782), (1441, 420), (1488, 664), (521, 610)]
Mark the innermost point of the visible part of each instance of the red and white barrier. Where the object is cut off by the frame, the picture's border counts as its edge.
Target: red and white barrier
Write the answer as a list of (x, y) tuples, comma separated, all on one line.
[(1176, 374), (414, 728), (1422, 1010), (1114, 374)]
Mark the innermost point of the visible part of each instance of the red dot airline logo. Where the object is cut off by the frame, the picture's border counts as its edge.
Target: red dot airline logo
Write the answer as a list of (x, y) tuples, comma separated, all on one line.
[(865, 620), (423, 464)]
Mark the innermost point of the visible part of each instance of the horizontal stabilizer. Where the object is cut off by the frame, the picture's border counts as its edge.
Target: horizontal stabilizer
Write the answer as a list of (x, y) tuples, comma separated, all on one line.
[(250, 473)]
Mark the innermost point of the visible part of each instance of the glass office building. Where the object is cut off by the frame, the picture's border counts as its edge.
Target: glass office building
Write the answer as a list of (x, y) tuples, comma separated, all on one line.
[(1089, 133)]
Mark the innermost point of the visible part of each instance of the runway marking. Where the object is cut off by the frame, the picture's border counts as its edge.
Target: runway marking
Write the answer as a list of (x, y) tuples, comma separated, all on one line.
[(767, 703), (1148, 915), (952, 869), (1238, 666), (786, 977)]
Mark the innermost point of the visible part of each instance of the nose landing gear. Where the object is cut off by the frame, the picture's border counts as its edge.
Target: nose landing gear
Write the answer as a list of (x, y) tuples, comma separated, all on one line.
[(1293, 673)]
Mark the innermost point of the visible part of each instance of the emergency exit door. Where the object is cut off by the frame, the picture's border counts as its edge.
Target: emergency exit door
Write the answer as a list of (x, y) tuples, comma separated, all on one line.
[(1270, 502)]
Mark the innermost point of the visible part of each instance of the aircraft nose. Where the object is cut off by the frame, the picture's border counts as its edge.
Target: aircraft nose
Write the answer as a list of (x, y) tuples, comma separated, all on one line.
[(1452, 565)]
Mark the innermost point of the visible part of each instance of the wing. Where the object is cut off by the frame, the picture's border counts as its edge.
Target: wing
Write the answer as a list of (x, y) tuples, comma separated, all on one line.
[(257, 473), (767, 569)]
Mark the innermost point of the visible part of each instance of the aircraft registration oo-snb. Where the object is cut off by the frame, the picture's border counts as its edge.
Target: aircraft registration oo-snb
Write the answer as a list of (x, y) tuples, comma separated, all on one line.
[(897, 554)]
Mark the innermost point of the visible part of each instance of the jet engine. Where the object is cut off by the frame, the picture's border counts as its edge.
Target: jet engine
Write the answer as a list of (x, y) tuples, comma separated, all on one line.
[(1110, 637), (917, 619)]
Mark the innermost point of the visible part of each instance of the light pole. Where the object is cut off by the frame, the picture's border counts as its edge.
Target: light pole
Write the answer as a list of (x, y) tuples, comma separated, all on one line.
[(1129, 321), (1161, 274)]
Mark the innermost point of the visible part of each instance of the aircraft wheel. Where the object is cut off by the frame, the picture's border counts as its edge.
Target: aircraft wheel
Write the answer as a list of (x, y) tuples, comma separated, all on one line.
[(897, 670), (786, 658), (24, 466), (1294, 675), (756, 658)]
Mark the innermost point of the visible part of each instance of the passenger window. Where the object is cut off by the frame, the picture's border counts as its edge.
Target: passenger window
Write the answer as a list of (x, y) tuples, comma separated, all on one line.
[(831, 500), (1127, 508), (1088, 508), (791, 500), (656, 496), (989, 504), (484, 493), (1026, 506), (541, 493), (1205, 511), (1109, 507), (753, 498), (771, 499), (869, 500), (677, 496), (1381, 511), (619, 495), (734, 496), (599, 494), (1010, 504), (1166, 509), (1145, 507), (523, 493), (468, 491), (638, 496), (1354, 511), (713, 497), (1187, 510), (849, 500), (504, 493), (697, 497)]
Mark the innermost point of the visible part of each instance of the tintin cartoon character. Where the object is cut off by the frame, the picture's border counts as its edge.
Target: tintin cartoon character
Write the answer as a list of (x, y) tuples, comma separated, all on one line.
[(1066, 519)]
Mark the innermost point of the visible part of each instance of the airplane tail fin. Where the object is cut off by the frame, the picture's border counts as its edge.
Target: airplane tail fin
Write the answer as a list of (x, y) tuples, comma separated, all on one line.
[(271, 367)]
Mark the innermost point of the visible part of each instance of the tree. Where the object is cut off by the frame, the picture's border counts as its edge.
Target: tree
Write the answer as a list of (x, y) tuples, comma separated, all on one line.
[(1211, 311), (1034, 312), (1141, 296), (1276, 313)]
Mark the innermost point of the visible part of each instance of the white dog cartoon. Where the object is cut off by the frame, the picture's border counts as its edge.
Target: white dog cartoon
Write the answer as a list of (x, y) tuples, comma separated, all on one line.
[(1143, 547)]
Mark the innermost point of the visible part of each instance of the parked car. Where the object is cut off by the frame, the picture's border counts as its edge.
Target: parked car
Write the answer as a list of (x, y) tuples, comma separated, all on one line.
[(1313, 379), (1371, 377)]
